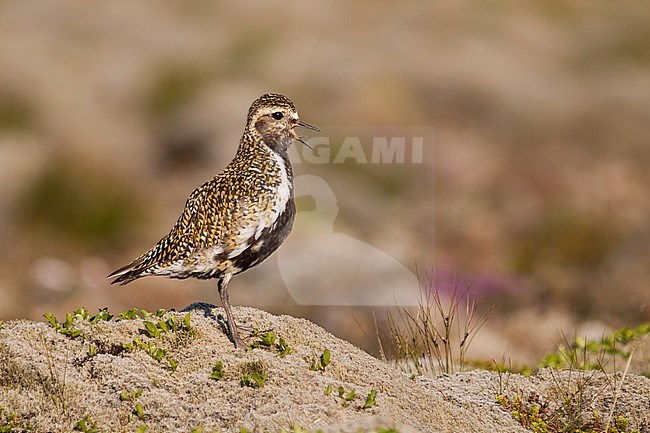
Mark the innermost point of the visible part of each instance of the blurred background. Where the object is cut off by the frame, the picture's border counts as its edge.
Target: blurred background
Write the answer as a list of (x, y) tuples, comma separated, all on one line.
[(532, 191)]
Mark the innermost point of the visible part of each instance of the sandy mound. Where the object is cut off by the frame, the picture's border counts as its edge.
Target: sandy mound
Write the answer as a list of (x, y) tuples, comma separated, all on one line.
[(120, 376)]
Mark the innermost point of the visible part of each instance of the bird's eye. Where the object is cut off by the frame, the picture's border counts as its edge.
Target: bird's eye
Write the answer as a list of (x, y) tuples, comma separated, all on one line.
[(277, 115)]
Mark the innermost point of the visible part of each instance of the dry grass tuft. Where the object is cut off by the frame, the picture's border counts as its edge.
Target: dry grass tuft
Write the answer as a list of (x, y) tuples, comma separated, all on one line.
[(434, 338)]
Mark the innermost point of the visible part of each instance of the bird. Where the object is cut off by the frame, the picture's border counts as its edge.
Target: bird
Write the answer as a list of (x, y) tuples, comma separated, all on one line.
[(239, 217)]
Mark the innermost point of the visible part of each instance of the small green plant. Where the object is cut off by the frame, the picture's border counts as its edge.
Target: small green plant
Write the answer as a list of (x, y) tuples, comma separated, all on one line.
[(254, 375), (102, 315), (270, 340), (130, 395), (86, 425), (570, 409), (139, 313), (13, 423), (156, 329), (143, 428), (539, 416), (159, 313), (129, 314), (582, 354), (322, 361), (173, 364), (530, 413), (347, 398), (579, 353), (155, 352), (217, 371), (265, 339), (283, 348), (152, 330), (253, 380), (138, 411), (64, 327), (371, 399), (81, 314)]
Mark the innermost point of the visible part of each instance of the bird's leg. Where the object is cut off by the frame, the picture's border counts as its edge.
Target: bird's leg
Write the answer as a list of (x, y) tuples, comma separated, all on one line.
[(222, 286)]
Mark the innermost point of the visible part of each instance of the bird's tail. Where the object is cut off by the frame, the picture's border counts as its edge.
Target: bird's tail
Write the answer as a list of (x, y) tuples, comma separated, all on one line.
[(128, 273)]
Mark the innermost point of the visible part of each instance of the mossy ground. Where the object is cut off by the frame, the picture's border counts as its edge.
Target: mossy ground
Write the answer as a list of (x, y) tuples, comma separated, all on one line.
[(51, 381)]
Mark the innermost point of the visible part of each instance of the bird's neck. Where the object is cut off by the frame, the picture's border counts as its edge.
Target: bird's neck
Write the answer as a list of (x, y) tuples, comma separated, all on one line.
[(253, 147)]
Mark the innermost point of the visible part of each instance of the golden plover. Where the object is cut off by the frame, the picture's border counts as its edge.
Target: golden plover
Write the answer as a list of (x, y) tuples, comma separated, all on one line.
[(239, 217)]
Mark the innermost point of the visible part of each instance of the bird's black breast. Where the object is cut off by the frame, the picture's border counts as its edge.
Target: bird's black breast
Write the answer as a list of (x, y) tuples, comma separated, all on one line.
[(268, 241)]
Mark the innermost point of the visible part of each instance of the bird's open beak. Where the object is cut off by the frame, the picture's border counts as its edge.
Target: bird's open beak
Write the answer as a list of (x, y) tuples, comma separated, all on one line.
[(308, 126), (299, 138)]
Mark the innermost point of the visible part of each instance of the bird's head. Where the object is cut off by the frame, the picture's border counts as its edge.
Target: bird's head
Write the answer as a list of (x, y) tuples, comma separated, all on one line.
[(273, 118)]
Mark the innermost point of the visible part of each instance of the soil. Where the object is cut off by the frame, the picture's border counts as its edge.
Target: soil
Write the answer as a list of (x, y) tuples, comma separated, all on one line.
[(52, 381)]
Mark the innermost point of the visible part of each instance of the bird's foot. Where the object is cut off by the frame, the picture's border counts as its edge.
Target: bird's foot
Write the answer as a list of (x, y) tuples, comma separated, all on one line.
[(234, 336), (246, 328), (239, 343)]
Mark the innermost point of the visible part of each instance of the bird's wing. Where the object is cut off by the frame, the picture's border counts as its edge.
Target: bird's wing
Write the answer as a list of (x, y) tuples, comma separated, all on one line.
[(181, 241)]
